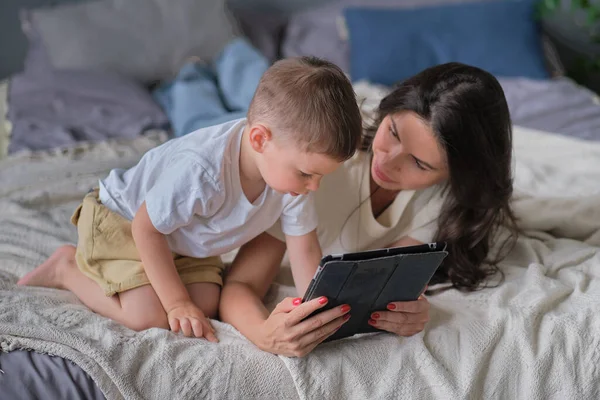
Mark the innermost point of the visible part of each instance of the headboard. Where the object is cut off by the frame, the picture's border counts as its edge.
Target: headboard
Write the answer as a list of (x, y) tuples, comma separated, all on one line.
[(13, 44)]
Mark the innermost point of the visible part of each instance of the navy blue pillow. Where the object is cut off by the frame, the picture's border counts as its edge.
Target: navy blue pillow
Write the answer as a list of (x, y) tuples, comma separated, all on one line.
[(389, 45)]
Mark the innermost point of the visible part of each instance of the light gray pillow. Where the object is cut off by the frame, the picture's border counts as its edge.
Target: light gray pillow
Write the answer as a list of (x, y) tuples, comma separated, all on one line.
[(320, 31), (263, 22), (147, 40)]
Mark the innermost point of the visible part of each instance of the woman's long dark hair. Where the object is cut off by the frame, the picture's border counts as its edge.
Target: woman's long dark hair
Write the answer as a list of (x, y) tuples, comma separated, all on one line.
[(467, 111)]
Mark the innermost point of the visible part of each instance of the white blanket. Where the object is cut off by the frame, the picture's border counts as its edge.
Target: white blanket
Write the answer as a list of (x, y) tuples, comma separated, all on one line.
[(536, 336)]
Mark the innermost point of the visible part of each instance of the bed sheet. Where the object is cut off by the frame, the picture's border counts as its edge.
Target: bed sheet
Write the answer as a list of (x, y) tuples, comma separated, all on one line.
[(557, 105), (27, 375), (488, 344)]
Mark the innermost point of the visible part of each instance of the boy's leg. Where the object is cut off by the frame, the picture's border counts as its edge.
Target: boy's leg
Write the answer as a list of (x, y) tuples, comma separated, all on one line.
[(205, 296), (138, 308)]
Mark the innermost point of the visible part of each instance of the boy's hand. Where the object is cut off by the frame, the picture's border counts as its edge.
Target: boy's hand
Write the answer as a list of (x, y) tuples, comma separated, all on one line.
[(191, 321)]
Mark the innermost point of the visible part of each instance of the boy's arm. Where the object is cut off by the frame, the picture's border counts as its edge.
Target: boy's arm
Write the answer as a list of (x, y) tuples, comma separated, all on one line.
[(182, 314), (158, 261), (305, 255)]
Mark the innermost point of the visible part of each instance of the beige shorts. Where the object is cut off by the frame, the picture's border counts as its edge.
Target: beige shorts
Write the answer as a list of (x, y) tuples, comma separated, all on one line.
[(107, 254)]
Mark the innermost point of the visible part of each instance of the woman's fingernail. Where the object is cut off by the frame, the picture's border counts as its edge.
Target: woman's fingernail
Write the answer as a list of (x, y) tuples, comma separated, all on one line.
[(322, 300), (375, 315), (391, 306), (345, 308), (297, 301), (346, 317), (372, 322)]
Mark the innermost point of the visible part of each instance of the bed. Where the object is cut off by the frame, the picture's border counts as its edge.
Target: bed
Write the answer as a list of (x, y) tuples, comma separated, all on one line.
[(535, 336)]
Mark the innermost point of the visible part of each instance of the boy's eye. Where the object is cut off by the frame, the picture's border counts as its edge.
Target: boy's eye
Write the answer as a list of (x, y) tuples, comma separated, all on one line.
[(302, 174)]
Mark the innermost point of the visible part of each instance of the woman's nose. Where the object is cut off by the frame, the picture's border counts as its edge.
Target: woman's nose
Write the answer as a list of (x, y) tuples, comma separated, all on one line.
[(393, 161)]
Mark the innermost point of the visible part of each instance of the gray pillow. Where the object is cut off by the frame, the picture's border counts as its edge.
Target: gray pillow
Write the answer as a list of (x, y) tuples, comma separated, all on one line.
[(263, 22), (264, 30), (320, 31), (147, 40)]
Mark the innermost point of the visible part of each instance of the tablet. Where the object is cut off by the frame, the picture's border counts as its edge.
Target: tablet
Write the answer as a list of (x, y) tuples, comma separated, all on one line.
[(368, 281)]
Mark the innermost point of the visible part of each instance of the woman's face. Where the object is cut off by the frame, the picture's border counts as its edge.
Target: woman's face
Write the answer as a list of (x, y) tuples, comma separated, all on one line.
[(406, 154)]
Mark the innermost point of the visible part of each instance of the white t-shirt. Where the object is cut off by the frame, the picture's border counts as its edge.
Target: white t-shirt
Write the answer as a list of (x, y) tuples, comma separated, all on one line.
[(346, 227), (192, 189)]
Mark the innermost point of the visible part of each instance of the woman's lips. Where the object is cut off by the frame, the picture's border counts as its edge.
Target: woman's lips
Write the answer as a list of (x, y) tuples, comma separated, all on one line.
[(380, 174)]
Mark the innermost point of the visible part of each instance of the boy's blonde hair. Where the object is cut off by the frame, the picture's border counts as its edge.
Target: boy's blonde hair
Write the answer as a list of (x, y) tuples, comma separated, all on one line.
[(311, 102)]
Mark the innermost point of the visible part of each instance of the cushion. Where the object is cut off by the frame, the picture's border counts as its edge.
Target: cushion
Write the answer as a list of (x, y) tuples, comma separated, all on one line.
[(501, 37), (263, 22), (147, 40), (265, 30), (320, 31), (52, 107)]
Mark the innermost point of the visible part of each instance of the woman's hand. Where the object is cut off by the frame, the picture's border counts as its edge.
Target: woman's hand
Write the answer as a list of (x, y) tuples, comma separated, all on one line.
[(402, 318), (284, 332)]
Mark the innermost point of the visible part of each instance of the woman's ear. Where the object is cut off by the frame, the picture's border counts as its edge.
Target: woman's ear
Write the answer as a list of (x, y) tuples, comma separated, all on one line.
[(259, 136)]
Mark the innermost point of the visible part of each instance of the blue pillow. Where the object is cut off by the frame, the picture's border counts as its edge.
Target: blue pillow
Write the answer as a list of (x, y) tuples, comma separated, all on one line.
[(389, 45)]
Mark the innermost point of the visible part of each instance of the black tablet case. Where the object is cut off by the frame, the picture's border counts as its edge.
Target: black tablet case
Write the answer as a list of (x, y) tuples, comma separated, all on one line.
[(368, 281)]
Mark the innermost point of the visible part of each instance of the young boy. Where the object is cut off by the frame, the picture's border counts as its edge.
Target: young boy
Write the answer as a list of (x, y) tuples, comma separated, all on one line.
[(150, 237)]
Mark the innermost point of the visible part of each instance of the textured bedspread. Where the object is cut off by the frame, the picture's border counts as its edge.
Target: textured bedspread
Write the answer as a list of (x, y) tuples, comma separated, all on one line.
[(536, 336)]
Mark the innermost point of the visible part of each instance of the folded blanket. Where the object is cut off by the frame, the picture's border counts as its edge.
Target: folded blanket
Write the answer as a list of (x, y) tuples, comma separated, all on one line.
[(204, 95), (535, 336)]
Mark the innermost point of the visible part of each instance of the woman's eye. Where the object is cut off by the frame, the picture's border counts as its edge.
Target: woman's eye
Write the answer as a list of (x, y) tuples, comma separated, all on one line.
[(394, 134), (419, 165)]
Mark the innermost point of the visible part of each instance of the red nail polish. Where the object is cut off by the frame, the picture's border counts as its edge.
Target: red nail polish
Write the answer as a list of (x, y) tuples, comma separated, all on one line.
[(372, 322), (346, 317), (345, 308), (391, 306), (322, 300), (297, 301), (375, 316)]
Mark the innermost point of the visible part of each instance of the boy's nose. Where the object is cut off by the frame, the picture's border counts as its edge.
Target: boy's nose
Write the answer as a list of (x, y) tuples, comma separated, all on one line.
[(313, 185)]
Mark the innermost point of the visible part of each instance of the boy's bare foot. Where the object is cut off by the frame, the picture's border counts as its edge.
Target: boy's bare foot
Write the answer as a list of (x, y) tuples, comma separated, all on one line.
[(49, 273)]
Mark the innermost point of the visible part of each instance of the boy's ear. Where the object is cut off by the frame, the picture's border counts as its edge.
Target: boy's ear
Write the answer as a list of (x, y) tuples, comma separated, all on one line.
[(259, 136)]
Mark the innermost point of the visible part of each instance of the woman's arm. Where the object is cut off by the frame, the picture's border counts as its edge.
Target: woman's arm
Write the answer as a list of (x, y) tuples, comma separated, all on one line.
[(405, 241), (285, 331), (247, 282)]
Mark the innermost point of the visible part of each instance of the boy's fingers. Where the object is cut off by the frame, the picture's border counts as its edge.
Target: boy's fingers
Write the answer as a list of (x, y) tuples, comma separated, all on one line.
[(186, 327), (174, 324), (197, 327), (210, 326), (210, 336)]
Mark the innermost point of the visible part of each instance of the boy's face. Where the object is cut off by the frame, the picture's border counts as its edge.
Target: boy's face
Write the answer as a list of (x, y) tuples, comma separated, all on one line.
[(289, 170)]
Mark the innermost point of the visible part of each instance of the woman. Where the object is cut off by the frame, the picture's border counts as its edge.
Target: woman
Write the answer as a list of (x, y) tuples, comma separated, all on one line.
[(436, 166)]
